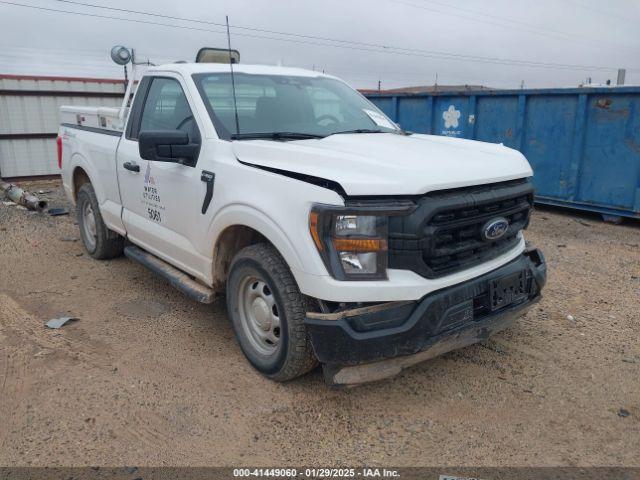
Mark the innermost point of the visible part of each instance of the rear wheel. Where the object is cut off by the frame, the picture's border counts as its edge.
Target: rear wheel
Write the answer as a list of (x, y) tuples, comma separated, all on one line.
[(100, 242), (267, 312)]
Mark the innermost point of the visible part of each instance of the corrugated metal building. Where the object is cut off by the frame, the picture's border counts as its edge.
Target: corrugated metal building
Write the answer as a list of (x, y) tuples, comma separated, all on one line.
[(29, 111)]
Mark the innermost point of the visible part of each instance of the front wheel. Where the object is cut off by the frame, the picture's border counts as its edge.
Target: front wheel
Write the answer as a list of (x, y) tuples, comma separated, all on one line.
[(267, 312)]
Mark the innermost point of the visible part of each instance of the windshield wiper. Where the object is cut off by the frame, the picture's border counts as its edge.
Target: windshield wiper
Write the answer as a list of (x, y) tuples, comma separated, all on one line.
[(275, 136), (360, 130), (372, 130)]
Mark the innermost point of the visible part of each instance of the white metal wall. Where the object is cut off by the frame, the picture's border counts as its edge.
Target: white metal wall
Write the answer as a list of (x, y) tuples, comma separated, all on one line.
[(29, 110)]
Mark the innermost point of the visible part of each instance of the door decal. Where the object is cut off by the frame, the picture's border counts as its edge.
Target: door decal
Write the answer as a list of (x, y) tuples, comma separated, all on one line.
[(151, 197)]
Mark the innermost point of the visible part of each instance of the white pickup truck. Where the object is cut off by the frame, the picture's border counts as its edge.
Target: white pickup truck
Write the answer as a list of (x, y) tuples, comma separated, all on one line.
[(337, 237)]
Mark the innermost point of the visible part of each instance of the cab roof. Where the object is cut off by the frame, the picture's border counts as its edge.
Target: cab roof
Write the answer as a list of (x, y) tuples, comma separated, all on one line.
[(191, 68)]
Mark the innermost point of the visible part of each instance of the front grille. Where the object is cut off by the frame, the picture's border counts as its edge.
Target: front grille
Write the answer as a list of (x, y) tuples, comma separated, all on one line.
[(443, 234)]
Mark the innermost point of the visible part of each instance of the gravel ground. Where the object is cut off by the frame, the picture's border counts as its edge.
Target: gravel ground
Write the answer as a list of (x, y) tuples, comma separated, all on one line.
[(148, 377)]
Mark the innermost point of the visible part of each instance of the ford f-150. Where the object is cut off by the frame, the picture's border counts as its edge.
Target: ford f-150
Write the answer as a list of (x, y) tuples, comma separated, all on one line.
[(337, 237)]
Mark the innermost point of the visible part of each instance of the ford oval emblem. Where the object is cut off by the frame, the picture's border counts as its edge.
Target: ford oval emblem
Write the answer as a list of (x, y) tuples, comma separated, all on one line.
[(495, 228)]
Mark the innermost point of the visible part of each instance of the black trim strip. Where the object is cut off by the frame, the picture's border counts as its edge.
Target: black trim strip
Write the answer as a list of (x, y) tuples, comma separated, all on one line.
[(26, 136), (318, 181), (113, 133)]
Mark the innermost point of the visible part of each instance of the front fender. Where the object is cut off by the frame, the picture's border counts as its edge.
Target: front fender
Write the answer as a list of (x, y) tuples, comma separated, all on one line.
[(248, 216)]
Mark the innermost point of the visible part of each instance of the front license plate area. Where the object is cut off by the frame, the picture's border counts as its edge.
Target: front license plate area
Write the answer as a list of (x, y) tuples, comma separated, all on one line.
[(506, 290)]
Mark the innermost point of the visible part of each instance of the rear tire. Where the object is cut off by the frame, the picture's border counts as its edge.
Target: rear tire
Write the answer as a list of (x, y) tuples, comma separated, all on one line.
[(99, 242), (267, 312)]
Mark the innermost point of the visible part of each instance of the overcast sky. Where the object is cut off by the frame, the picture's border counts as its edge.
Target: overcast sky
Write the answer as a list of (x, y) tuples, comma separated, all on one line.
[(497, 43)]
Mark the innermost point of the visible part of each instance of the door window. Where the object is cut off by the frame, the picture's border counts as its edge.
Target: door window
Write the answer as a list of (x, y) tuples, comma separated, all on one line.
[(166, 108)]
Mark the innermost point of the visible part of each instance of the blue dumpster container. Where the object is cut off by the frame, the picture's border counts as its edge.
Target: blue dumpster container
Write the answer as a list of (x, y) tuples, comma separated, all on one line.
[(583, 143)]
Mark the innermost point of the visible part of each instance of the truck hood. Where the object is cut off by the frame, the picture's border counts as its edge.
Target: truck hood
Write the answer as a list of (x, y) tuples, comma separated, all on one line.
[(389, 164)]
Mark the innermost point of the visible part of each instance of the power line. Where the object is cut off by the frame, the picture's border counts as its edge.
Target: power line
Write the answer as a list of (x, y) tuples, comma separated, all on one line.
[(602, 12), (82, 55), (353, 76), (474, 19), (351, 42), (185, 19), (506, 22), (366, 47)]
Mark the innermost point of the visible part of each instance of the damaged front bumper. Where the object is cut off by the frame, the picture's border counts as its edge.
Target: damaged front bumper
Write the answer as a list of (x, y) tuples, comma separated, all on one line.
[(376, 342)]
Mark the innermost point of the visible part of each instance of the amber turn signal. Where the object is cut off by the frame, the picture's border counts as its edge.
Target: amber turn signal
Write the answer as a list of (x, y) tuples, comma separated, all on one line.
[(360, 244), (313, 227)]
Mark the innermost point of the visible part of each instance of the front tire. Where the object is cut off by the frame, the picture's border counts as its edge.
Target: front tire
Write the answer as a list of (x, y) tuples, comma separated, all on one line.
[(267, 312), (100, 242)]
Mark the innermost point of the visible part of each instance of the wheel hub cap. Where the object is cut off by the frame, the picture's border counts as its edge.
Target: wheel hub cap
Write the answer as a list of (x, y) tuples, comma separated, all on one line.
[(262, 314)]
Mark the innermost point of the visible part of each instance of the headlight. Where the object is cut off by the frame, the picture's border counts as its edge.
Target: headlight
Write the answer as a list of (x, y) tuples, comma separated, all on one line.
[(352, 241), (355, 225)]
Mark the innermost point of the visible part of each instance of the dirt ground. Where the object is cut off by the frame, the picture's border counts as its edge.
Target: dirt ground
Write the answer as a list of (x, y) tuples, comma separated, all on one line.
[(148, 377)]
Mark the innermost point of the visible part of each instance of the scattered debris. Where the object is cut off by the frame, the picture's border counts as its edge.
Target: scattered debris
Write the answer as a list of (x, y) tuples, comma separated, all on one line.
[(581, 222), (56, 212), (9, 204), (69, 239), (22, 197), (562, 245), (628, 360), (42, 192), (570, 318), (623, 413), (59, 322)]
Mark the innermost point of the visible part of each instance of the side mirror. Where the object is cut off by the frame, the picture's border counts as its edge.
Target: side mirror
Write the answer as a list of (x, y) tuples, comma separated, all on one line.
[(167, 146)]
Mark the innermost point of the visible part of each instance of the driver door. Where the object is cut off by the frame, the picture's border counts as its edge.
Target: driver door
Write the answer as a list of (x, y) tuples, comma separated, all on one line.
[(160, 199)]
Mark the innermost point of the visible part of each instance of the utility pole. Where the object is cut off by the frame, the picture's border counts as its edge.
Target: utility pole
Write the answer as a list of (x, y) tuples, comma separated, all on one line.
[(379, 85)]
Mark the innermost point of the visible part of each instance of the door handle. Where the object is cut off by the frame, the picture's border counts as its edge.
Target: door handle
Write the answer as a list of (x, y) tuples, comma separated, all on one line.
[(134, 167), (208, 178)]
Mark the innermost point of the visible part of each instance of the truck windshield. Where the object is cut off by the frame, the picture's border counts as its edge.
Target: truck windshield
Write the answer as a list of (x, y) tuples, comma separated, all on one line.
[(282, 107)]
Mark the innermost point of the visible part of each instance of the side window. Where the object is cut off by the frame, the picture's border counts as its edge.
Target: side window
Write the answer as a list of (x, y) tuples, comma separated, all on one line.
[(166, 108)]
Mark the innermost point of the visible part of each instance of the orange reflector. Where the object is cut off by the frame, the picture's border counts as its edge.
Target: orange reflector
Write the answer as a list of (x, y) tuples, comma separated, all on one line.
[(313, 227), (360, 244)]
